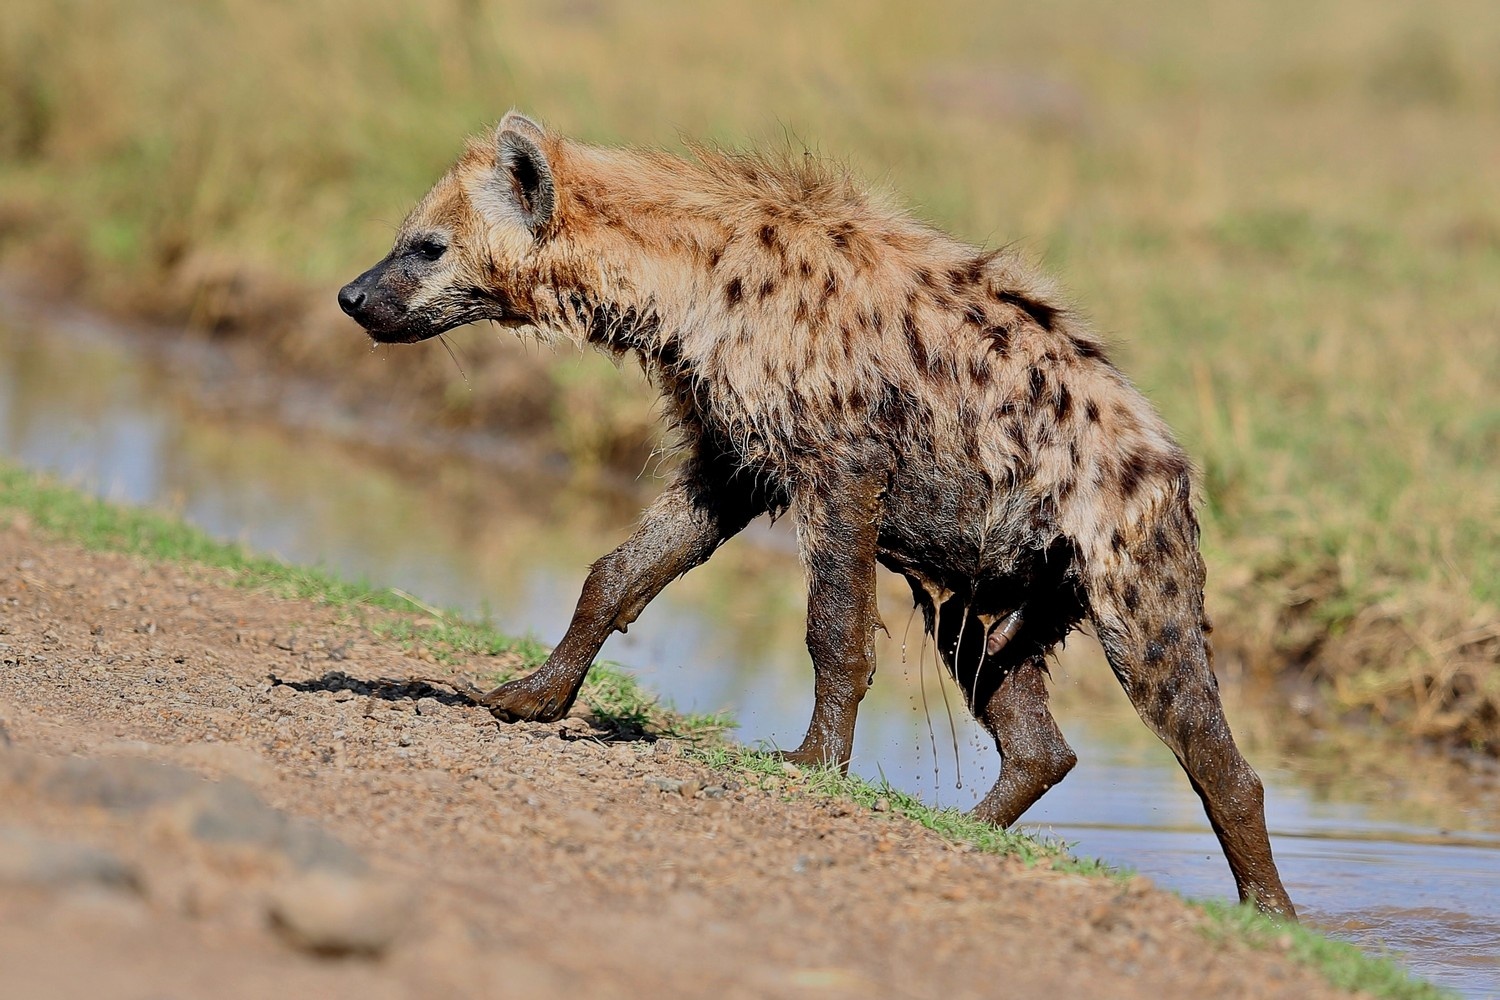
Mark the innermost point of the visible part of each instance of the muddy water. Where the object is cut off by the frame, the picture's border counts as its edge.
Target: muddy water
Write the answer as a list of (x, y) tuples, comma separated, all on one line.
[(1420, 878)]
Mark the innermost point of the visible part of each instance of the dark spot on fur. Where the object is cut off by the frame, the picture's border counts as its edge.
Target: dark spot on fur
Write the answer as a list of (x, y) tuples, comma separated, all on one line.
[(714, 256), (1091, 411), (1065, 489), (1074, 457), (925, 276), (1161, 540), (804, 267), (975, 315), (769, 237), (999, 339), (1043, 314), (1169, 587), (1038, 384), (914, 342), (979, 369), (1155, 653), (1134, 472), (1170, 634), (1132, 597), (734, 291), (830, 285), (800, 316), (1117, 541), (767, 288), (1063, 402), (1088, 349), (840, 234), (847, 336)]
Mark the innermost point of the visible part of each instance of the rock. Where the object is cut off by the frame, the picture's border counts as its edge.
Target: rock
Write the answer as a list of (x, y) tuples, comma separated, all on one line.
[(429, 706), (28, 859), (118, 784), (230, 812), (689, 788), (882, 804), (333, 914), (663, 785)]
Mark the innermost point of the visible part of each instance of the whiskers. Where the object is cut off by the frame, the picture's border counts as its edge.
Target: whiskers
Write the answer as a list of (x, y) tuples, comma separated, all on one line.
[(447, 346)]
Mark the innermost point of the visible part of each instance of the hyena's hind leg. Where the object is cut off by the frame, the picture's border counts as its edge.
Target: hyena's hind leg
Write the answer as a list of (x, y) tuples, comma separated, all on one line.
[(1146, 599), (1005, 685)]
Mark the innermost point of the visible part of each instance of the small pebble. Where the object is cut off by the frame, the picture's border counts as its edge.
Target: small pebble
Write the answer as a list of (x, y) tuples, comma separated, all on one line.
[(429, 706), (333, 914)]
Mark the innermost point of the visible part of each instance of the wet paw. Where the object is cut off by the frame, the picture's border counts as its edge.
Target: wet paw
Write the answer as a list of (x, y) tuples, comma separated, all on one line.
[(815, 755), (525, 700)]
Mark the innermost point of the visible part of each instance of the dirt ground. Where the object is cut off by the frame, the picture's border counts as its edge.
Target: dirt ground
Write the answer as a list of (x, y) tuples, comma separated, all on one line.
[(174, 823)]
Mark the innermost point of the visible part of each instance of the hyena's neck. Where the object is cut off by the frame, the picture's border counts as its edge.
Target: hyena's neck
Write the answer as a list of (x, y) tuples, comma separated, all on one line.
[(633, 271)]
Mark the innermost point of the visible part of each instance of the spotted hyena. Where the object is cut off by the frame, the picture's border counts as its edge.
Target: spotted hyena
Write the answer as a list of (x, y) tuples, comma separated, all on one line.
[(908, 399)]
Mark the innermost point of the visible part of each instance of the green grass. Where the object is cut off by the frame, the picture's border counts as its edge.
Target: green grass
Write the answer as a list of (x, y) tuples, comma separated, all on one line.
[(619, 702), (1342, 964), (767, 770)]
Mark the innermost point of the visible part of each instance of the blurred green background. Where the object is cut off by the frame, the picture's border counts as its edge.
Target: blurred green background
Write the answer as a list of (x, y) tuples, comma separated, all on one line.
[(1285, 216)]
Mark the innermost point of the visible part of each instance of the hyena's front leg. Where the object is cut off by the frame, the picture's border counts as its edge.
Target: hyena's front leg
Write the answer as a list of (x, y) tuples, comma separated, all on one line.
[(698, 511), (838, 526)]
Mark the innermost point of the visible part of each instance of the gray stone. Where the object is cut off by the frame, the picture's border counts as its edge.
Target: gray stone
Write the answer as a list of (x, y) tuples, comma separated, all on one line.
[(429, 706), (230, 812), (333, 914), (119, 784), (29, 859)]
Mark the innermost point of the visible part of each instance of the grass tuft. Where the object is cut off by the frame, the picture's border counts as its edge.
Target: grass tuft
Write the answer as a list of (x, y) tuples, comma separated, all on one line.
[(1342, 964)]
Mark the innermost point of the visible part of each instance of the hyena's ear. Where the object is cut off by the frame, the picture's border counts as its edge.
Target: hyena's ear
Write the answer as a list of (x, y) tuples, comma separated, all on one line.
[(524, 168)]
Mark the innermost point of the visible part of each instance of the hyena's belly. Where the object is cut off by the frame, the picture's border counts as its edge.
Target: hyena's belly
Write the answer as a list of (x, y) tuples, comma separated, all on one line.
[(961, 542)]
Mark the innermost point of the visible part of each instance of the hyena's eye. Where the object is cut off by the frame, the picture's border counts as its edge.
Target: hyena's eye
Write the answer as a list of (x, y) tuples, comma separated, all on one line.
[(430, 249)]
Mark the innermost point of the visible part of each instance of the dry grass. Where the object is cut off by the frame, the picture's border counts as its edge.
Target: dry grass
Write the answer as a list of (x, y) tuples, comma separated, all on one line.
[(1284, 212)]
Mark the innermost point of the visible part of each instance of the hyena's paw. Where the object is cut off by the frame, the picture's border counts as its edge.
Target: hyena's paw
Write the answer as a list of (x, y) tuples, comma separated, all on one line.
[(529, 699), (815, 755)]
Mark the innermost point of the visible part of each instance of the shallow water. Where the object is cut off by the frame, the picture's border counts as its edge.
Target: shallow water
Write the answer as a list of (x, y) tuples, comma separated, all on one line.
[(80, 401)]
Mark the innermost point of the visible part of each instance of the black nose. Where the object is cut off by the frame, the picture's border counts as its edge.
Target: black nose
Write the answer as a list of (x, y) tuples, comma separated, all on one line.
[(351, 299)]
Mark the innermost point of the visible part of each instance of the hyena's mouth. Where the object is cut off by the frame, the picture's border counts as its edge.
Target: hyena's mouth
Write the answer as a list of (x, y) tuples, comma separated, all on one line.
[(426, 323)]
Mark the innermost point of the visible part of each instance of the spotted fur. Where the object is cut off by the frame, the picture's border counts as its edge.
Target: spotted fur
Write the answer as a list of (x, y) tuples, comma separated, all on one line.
[(910, 398)]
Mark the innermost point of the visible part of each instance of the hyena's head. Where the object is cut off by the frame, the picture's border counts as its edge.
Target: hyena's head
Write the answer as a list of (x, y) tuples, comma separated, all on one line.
[(475, 248)]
